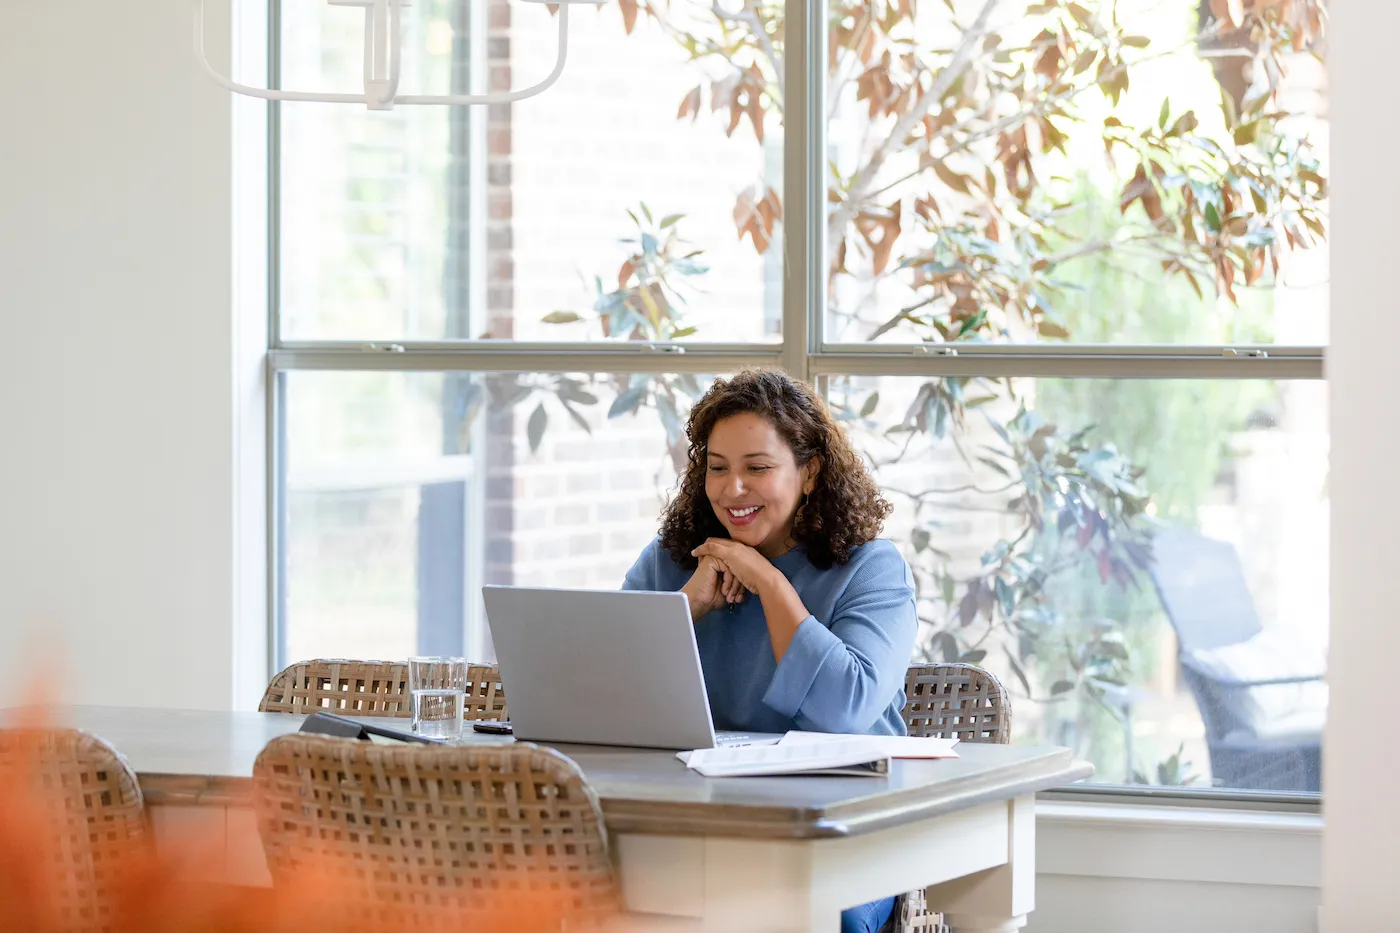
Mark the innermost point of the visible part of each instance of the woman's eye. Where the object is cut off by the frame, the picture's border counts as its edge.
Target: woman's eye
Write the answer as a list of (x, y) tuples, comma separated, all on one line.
[(759, 469), (716, 469)]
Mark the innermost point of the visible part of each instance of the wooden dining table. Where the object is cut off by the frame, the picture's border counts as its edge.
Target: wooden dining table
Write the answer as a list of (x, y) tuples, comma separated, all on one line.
[(732, 854)]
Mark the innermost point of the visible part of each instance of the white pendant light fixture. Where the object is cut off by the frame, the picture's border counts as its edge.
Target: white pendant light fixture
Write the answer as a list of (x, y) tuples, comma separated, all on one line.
[(383, 56)]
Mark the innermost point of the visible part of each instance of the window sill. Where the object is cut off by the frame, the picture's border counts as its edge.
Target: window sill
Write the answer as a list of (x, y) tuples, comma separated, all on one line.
[(1178, 843)]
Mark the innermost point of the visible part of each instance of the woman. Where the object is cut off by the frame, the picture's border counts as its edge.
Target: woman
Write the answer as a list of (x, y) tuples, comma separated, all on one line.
[(805, 619)]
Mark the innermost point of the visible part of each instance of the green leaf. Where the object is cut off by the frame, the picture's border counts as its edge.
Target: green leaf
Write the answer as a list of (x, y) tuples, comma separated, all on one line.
[(947, 646), (1316, 179), (628, 401), (561, 317), (1005, 598), (1164, 114), (682, 332), (1212, 218), (1114, 649), (578, 418), (534, 430), (988, 461), (572, 393), (1061, 686), (1136, 42), (1020, 674), (871, 401), (919, 537), (669, 220), (973, 656)]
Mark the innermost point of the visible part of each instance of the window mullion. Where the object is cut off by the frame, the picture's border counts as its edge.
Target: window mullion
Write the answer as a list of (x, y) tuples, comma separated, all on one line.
[(468, 358), (1088, 365), (804, 183)]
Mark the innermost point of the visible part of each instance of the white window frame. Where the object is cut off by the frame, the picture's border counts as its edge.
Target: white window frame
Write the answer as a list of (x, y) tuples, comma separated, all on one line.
[(803, 351)]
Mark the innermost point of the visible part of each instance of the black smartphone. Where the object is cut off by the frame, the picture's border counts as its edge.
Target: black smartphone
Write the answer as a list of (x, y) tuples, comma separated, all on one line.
[(492, 728)]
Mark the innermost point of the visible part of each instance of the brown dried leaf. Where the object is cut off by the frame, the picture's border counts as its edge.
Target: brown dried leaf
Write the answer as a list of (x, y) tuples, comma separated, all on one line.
[(755, 112), (951, 178), (880, 232), (1052, 59), (629, 267), (722, 92), (756, 217), (1253, 266), (629, 14), (690, 105)]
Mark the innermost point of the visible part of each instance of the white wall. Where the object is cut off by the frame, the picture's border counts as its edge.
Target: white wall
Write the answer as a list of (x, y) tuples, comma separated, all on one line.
[(1362, 860), (117, 388), (1129, 868)]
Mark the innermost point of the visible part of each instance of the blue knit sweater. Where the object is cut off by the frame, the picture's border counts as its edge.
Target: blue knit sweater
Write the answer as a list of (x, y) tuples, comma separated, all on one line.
[(843, 672)]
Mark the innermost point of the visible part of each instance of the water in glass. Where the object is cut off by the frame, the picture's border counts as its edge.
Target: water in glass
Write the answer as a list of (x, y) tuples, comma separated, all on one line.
[(438, 712)]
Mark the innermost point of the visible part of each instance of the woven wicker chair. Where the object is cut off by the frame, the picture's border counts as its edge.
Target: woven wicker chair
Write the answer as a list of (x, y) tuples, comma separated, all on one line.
[(372, 688), (89, 806), (952, 701), (429, 837)]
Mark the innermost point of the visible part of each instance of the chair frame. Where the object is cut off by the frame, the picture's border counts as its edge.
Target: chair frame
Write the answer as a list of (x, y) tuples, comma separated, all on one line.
[(87, 796), (956, 701), (951, 701), (372, 689), (1203, 592), (434, 835)]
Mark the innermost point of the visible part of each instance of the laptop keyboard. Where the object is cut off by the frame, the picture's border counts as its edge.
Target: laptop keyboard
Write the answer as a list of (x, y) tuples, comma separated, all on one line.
[(739, 739)]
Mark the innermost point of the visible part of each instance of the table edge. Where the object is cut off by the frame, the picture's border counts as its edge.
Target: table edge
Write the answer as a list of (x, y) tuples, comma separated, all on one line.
[(706, 819)]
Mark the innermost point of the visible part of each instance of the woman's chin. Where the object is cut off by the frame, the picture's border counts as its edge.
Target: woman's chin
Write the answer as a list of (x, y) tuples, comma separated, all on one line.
[(747, 534)]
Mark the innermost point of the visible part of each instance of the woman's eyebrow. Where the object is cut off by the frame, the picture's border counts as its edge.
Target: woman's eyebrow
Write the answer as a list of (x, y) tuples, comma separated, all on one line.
[(752, 456)]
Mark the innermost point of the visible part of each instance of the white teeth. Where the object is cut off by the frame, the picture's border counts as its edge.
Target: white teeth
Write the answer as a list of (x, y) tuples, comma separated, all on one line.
[(740, 513)]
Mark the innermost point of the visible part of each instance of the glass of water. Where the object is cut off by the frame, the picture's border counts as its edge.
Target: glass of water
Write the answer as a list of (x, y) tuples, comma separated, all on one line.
[(438, 687)]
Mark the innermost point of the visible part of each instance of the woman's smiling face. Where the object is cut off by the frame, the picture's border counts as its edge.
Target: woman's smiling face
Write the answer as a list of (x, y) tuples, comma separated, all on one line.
[(754, 483)]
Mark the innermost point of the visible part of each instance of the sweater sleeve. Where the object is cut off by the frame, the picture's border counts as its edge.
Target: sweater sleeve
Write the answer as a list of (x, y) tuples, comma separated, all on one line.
[(840, 677), (646, 571)]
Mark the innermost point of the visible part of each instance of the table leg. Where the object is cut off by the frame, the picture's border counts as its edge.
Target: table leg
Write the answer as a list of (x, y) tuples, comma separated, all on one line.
[(998, 899), (766, 887)]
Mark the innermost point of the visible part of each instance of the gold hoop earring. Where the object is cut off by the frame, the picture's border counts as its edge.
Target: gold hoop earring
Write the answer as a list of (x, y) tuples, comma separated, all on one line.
[(801, 510)]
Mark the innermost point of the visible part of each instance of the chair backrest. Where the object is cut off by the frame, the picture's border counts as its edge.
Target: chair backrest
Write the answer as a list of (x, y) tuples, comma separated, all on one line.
[(85, 798), (1203, 590), (404, 833), (956, 701), (372, 688)]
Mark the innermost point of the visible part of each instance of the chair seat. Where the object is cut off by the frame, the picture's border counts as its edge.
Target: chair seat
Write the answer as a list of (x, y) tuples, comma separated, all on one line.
[(1302, 727)]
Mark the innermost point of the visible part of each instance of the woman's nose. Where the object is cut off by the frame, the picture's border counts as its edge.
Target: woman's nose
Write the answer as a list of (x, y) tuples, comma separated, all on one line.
[(736, 486)]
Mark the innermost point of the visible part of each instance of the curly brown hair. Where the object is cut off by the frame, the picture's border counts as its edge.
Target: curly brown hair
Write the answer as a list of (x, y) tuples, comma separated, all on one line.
[(844, 509)]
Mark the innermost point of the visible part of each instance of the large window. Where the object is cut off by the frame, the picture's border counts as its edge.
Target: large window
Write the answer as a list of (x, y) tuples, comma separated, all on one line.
[(1059, 267)]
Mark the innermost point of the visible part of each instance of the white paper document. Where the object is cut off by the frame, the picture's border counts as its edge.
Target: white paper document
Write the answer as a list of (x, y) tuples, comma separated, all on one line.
[(853, 757), (892, 746)]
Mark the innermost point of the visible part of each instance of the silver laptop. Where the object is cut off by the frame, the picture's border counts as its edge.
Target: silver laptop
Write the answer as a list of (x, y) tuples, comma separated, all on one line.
[(604, 667)]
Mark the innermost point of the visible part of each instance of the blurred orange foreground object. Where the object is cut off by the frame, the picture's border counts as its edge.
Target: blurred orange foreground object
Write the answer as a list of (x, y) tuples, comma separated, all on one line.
[(77, 854)]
